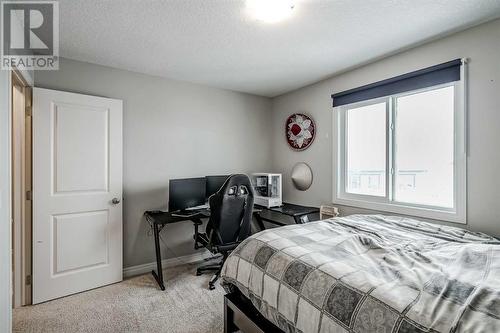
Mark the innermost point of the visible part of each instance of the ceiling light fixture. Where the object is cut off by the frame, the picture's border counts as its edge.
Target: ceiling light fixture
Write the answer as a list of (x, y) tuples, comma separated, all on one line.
[(270, 11)]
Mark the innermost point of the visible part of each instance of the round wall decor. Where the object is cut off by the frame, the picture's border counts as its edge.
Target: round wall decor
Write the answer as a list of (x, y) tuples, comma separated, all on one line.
[(302, 176), (300, 131)]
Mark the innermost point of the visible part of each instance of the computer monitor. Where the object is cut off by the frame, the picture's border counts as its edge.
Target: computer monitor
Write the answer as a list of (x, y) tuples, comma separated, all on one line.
[(186, 193), (214, 183)]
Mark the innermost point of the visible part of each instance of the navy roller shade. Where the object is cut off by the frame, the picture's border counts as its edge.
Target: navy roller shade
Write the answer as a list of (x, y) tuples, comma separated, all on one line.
[(423, 78)]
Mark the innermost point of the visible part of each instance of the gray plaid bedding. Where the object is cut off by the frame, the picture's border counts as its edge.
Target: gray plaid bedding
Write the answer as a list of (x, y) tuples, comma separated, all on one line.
[(370, 273)]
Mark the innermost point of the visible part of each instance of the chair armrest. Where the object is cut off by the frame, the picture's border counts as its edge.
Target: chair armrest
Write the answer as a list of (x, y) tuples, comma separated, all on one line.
[(226, 247)]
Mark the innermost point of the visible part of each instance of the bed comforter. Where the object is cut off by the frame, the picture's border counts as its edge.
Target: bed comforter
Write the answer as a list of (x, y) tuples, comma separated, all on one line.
[(370, 273)]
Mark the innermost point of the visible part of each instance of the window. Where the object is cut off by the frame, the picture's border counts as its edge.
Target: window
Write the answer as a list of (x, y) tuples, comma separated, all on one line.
[(425, 153), (404, 153), (366, 145)]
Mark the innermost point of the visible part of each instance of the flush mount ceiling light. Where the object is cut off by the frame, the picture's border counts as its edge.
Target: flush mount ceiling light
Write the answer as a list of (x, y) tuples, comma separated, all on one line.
[(270, 11)]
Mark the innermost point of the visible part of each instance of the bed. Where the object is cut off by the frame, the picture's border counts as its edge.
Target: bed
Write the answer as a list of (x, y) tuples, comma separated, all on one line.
[(368, 273)]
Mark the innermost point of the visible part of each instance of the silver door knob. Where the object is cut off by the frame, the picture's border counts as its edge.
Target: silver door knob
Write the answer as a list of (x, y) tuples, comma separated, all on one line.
[(115, 201)]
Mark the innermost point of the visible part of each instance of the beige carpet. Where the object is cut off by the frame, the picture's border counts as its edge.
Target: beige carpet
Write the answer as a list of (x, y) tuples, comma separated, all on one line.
[(134, 305)]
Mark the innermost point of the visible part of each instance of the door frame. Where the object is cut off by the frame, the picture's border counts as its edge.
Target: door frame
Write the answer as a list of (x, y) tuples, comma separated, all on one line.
[(21, 202)]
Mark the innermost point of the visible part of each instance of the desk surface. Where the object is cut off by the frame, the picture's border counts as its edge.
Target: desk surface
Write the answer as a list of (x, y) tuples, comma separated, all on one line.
[(291, 209), (159, 217)]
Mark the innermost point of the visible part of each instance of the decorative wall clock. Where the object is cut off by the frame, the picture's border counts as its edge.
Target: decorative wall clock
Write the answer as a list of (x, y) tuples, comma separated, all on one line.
[(300, 131)]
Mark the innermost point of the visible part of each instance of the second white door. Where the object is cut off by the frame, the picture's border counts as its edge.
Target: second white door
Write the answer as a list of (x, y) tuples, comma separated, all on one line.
[(77, 192)]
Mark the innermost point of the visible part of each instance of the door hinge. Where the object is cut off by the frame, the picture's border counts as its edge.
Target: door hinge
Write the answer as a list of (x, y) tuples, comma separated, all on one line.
[(28, 280), (392, 126), (29, 195), (28, 111)]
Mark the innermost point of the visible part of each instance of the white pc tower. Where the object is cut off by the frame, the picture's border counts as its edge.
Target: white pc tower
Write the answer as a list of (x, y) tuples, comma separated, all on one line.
[(267, 188)]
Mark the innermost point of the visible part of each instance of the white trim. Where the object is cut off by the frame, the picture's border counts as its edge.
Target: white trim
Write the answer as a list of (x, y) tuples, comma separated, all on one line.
[(166, 263), (403, 209), (5, 204), (458, 214)]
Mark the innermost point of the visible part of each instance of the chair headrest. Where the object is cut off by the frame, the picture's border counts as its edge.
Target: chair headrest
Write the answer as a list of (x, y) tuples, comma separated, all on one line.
[(237, 185)]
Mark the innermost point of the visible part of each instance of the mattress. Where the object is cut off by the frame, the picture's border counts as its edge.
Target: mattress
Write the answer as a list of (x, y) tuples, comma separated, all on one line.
[(370, 273)]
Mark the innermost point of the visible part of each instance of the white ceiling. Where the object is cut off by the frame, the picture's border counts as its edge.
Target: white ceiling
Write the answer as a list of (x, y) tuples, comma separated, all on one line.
[(216, 42)]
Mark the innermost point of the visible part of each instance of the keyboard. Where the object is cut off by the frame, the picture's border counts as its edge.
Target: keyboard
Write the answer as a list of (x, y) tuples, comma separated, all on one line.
[(191, 211), (200, 207)]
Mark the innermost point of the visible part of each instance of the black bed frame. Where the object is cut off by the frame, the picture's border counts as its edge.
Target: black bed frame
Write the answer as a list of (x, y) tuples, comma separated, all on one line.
[(240, 314)]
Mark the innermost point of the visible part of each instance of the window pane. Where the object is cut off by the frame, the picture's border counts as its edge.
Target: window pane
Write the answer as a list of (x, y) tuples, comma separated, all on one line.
[(424, 148), (366, 150)]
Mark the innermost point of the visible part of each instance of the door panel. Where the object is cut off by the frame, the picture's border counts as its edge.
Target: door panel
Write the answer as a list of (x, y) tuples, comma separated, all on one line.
[(81, 142), (80, 241), (77, 171)]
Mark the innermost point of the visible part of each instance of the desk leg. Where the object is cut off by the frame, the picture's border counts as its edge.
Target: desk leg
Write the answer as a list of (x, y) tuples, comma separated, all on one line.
[(259, 221), (197, 222), (158, 275)]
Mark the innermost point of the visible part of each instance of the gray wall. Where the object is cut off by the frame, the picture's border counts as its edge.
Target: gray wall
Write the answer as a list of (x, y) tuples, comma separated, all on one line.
[(174, 129), (171, 129), (482, 45)]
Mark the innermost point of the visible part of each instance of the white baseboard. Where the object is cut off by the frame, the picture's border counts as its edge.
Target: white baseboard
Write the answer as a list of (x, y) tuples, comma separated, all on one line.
[(170, 262)]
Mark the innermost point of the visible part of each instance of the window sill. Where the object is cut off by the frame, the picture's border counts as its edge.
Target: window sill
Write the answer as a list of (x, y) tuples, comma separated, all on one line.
[(429, 213)]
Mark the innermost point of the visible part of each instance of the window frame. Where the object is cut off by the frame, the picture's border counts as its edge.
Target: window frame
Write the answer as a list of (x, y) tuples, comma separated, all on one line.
[(387, 203)]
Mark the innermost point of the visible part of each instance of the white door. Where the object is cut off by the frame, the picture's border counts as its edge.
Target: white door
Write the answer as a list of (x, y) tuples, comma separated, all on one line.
[(77, 192)]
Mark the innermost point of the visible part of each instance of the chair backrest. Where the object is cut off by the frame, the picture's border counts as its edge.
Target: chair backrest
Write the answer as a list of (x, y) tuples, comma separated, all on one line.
[(231, 211)]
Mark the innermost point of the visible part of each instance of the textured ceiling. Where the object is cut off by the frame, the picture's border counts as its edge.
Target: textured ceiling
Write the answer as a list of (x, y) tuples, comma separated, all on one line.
[(216, 42)]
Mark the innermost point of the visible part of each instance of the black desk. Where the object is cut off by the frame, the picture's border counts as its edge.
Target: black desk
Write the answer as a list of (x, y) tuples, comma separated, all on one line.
[(158, 220), (299, 213)]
